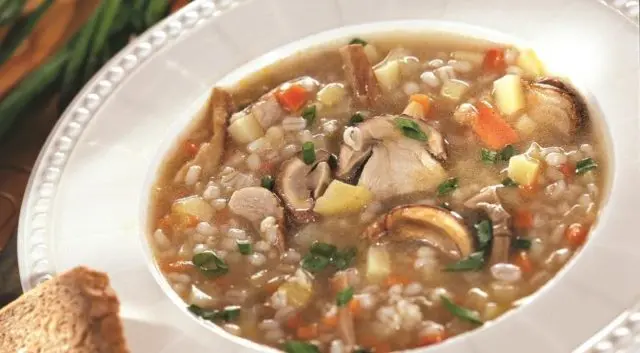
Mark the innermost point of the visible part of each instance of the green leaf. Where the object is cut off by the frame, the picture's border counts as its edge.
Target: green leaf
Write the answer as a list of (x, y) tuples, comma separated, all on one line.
[(155, 11), (323, 249), (309, 114), (447, 186), (344, 296), (460, 312), (484, 230), (355, 119), (210, 264), (473, 262), (585, 165), (27, 91), (357, 40), (343, 259), (108, 12), (410, 129), (244, 247), (308, 153), (10, 11), (314, 263), (508, 182), (507, 152), (488, 156), (20, 30), (227, 314), (267, 182), (521, 243), (300, 347)]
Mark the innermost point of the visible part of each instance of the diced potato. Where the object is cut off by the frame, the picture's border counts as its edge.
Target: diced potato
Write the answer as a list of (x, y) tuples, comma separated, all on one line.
[(475, 58), (454, 89), (378, 264), (526, 126), (508, 94), (332, 94), (388, 75), (245, 129), (341, 198), (529, 62), (297, 289), (523, 169), (372, 53), (414, 110), (193, 206)]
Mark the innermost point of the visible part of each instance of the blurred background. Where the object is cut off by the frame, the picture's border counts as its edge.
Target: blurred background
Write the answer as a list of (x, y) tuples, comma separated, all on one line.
[(48, 50)]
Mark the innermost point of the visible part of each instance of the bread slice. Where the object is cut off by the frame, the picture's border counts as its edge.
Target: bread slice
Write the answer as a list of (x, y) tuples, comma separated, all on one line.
[(76, 312)]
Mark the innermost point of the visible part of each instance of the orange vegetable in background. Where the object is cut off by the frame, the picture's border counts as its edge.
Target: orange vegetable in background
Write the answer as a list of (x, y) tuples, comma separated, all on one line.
[(492, 129), (523, 219), (307, 332), (432, 338), (494, 61), (522, 260), (292, 97), (576, 234), (423, 100)]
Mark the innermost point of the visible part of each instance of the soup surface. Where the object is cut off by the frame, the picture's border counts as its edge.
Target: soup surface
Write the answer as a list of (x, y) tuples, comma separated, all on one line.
[(378, 196)]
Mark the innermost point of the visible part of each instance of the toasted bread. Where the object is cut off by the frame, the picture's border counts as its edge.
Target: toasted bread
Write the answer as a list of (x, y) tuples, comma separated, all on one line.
[(76, 312)]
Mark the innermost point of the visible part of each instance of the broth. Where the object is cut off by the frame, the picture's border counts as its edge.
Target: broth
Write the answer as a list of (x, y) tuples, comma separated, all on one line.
[(378, 196)]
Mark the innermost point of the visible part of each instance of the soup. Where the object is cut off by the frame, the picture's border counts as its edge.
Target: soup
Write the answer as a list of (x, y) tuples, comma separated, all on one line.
[(378, 195)]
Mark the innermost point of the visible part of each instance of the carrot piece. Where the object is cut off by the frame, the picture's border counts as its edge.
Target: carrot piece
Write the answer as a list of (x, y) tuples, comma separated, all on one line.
[(308, 332), (354, 307), (177, 266), (431, 338), (528, 191), (423, 100), (292, 97), (329, 322), (568, 171), (178, 4), (522, 260), (494, 60), (492, 129), (191, 221), (397, 279), (165, 222), (576, 234), (190, 148), (294, 321), (523, 219)]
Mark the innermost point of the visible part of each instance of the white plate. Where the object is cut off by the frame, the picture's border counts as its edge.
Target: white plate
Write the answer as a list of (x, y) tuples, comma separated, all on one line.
[(87, 196)]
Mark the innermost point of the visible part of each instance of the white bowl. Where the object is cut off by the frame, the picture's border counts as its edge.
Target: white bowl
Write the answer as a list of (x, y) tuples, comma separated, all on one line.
[(87, 199)]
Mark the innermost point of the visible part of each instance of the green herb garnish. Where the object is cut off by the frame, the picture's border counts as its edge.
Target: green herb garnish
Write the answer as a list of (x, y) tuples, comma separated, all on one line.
[(20, 31), (322, 254), (508, 182), (410, 129), (308, 153), (484, 231), (344, 296), (314, 263), (473, 262), (227, 314), (309, 114), (323, 249), (507, 152), (300, 347), (585, 165), (356, 118), (488, 156), (210, 264), (460, 312), (521, 243), (343, 259), (267, 182), (357, 40), (447, 186), (244, 247)]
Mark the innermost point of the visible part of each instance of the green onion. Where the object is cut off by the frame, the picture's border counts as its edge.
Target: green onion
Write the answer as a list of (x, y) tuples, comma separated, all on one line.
[(521, 243), (343, 259), (244, 247), (21, 30), (585, 165), (473, 262), (460, 312), (308, 153), (227, 314), (300, 347), (484, 230), (507, 152), (156, 10), (356, 118), (344, 296), (357, 40), (508, 182), (447, 186), (109, 11), (323, 249), (309, 114), (410, 129), (210, 264), (10, 10), (488, 156), (267, 182), (314, 263)]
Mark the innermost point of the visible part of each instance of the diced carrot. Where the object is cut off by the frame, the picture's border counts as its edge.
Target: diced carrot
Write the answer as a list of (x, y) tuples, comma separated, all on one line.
[(191, 221), (568, 171), (190, 148), (294, 321), (423, 100), (397, 279), (492, 129), (494, 61), (522, 260), (528, 191), (292, 97), (329, 322), (523, 219), (165, 222), (354, 307), (307, 332), (432, 338), (177, 266), (576, 234), (178, 4)]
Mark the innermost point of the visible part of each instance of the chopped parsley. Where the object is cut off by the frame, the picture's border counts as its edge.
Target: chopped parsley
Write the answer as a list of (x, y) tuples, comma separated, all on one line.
[(475, 261), (447, 186), (308, 153), (244, 247), (267, 182), (356, 118), (488, 156), (309, 114), (227, 314), (210, 264), (460, 312), (585, 165), (293, 346), (344, 296), (322, 255), (410, 128), (521, 243)]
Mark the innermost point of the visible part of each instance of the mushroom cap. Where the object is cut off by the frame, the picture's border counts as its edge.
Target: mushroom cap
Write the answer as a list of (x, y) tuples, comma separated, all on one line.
[(434, 226), (556, 104)]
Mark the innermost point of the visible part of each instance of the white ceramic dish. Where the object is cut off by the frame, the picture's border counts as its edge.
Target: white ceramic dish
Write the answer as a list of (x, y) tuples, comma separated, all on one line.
[(87, 197)]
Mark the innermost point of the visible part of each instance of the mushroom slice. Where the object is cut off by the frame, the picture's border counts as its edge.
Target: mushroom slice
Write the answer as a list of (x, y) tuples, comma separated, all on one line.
[(257, 203), (557, 105), (434, 226), (351, 162), (210, 153), (299, 184), (488, 201), (360, 74)]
